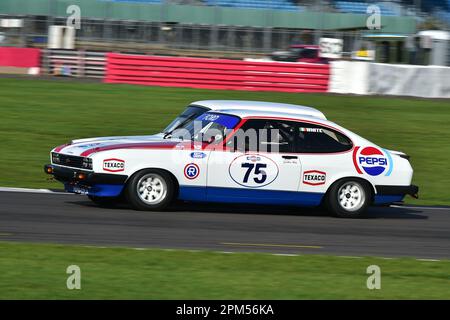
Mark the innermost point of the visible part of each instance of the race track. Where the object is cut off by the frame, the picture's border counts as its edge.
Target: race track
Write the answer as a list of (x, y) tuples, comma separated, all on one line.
[(386, 232)]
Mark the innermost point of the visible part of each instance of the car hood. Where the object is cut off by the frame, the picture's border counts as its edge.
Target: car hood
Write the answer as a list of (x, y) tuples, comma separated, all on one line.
[(154, 137), (85, 147)]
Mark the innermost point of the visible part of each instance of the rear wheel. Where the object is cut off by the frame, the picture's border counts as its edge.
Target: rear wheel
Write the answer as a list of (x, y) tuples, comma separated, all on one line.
[(348, 198), (150, 190)]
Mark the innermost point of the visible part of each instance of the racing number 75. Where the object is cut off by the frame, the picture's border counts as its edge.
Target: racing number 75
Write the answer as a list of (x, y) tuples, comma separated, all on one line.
[(261, 175)]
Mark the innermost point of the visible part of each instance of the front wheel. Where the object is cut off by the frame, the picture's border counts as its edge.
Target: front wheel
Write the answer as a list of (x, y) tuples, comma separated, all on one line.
[(348, 198), (150, 190)]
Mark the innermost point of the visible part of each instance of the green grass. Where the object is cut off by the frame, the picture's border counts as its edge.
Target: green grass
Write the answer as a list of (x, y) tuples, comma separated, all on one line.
[(37, 115), (39, 272)]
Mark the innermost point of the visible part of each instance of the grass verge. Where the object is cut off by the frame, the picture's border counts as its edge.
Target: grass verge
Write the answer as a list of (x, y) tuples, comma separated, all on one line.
[(37, 271), (37, 115)]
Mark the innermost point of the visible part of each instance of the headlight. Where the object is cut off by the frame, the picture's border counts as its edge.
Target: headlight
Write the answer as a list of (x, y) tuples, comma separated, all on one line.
[(55, 158), (87, 163)]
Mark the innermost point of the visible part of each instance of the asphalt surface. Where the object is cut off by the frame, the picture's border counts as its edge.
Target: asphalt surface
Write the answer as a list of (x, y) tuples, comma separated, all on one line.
[(385, 232)]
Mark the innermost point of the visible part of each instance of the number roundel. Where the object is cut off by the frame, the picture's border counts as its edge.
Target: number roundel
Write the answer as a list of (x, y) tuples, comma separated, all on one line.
[(253, 170)]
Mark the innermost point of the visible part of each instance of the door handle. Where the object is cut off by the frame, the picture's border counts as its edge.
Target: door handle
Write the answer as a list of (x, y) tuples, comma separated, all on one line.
[(289, 157)]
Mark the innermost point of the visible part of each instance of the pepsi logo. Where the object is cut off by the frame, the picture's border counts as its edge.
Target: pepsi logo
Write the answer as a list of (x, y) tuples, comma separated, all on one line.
[(372, 161)]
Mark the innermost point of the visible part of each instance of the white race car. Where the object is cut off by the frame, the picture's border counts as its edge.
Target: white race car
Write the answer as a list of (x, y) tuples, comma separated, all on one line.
[(240, 156)]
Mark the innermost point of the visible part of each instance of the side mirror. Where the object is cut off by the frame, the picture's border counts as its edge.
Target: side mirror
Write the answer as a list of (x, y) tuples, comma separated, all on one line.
[(215, 138), (211, 139)]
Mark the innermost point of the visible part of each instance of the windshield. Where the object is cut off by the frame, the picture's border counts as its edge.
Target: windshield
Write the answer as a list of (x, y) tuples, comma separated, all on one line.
[(185, 118), (209, 127)]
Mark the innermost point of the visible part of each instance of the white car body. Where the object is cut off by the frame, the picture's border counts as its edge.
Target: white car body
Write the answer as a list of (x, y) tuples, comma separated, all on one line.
[(214, 173)]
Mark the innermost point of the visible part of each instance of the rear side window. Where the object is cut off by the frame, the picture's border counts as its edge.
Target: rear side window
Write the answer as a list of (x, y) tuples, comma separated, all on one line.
[(317, 139)]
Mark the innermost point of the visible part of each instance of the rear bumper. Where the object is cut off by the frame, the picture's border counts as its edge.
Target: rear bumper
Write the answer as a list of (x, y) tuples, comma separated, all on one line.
[(394, 194), (411, 190), (87, 182)]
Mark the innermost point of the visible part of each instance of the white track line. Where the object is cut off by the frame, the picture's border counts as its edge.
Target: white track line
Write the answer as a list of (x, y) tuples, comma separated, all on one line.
[(418, 208), (429, 260), (48, 191), (26, 190), (29, 190), (244, 252)]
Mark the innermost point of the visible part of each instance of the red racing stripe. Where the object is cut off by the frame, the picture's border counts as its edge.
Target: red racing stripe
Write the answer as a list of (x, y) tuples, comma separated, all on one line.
[(166, 145), (59, 148), (354, 160)]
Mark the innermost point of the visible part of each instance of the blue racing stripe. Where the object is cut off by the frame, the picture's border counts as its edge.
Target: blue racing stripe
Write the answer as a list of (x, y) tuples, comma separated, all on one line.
[(98, 190), (386, 199), (254, 196)]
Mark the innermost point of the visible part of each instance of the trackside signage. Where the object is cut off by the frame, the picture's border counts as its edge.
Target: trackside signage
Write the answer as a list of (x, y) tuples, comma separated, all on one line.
[(113, 165), (314, 177)]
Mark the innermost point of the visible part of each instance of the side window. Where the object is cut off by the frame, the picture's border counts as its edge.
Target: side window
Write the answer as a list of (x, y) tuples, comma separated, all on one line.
[(317, 139), (265, 136)]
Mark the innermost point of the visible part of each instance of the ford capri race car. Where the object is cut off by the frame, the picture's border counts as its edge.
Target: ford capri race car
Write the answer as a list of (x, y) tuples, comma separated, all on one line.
[(240, 156)]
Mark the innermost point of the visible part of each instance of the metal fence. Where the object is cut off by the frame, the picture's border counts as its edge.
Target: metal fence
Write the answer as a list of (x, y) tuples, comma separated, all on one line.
[(184, 39), (74, 63), (138, 36)]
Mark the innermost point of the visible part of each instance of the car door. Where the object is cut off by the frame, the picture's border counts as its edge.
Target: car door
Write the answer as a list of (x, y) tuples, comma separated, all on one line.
[(257, 165)]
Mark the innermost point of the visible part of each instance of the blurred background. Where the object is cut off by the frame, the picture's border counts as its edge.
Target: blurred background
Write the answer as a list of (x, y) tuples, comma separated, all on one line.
[(76, 38), (234, 28)]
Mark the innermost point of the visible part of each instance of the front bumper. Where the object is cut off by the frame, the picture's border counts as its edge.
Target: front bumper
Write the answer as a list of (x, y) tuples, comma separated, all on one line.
[(87, 182)]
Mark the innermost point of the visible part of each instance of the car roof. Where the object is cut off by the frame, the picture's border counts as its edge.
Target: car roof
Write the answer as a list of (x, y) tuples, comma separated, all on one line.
[(260, 105), (275, 114)]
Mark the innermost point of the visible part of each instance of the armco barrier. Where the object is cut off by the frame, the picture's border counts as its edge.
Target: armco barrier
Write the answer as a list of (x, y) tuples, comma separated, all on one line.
[(20, 57), (216, 73)]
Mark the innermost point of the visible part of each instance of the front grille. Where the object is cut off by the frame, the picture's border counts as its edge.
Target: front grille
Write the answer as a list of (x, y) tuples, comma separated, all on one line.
[(68, 161)]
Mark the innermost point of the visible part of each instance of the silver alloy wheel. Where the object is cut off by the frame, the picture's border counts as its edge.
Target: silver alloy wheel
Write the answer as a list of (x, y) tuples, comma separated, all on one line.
[(152, 189), (351, 196)]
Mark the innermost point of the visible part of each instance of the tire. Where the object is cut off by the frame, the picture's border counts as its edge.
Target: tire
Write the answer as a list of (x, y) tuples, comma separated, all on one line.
[(348, 198), (150, 190), (105, 202)]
